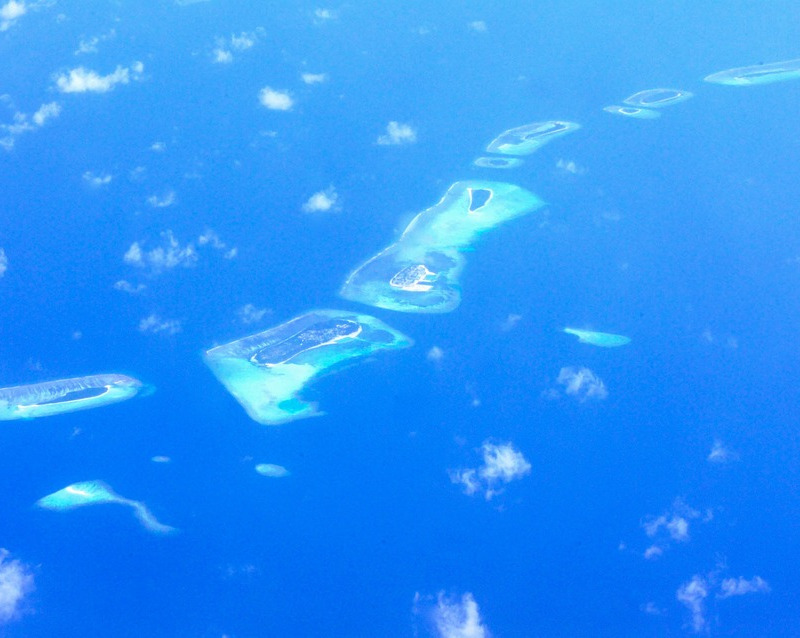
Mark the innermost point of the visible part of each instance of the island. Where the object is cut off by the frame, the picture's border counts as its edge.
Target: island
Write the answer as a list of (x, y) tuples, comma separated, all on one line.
[(65, 395), (266, 372), (420, 271)]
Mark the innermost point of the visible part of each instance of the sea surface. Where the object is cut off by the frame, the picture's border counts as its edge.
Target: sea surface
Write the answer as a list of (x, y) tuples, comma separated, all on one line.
[(245, 152)]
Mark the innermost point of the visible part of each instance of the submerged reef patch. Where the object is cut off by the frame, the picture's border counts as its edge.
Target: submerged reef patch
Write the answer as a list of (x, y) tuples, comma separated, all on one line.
[(656, 98), (98, 493), (272, 470), (498, 162), (601, 339), (757, 74), (265, 372), (524, 140), (65, 395), (630, 111), (420, 271)]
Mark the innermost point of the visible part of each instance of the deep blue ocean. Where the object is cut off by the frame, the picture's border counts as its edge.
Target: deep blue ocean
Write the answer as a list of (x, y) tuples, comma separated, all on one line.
[(669, 507)]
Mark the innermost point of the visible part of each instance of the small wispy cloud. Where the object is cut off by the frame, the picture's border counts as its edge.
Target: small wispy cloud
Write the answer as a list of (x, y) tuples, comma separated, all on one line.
[(435, 354), (126, 286), (721, 454), (501, 465), (162, 201), (651, 609), (95, 180), (210, 238), (692, 595), (46, 112), (223, 51), (582, 383), (322, 201), (16, 582), (510, 322), (158, 147), (695, 593), (170, 254), (324, 15), (479, 26), (3, 262), (672, 525), (397, 134), (250, 313), (454, 618), (154, 324), (314, 78), (570, 166), (90, 45), (741, 586), (275, 100), (24, 123), (83, 80)]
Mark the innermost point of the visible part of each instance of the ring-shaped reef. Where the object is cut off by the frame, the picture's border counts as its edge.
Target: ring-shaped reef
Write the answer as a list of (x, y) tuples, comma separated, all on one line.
[(65, 395), (497, 162), (98, 493), (758, 74), (601, 339), (266, 372), (656, 98), (420, 271), (631, 111), (524, 140)]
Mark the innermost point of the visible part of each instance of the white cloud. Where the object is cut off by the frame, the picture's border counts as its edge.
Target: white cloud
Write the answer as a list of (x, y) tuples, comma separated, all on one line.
[(167, 199), (222, 56), (9, 13), (155, 324), (83, 80), (325, 14), (671, 526), (314, 78), (468, 479), (23, 123), (322, 201), (478, 25), (170, 255), (211, 238), (510, 322), (96, 181), (89, 45), (397, 133), (458, 619), (46, 112), (251, 314), (435, 354), (693, 595), (245, 40), (741, 586), (501, 465), (3, 262), (275, 100), (582, 384), (16, 582), (653, 552), (569, 166), (126, 286), (651, 609), (720, 454), (158, 147)]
